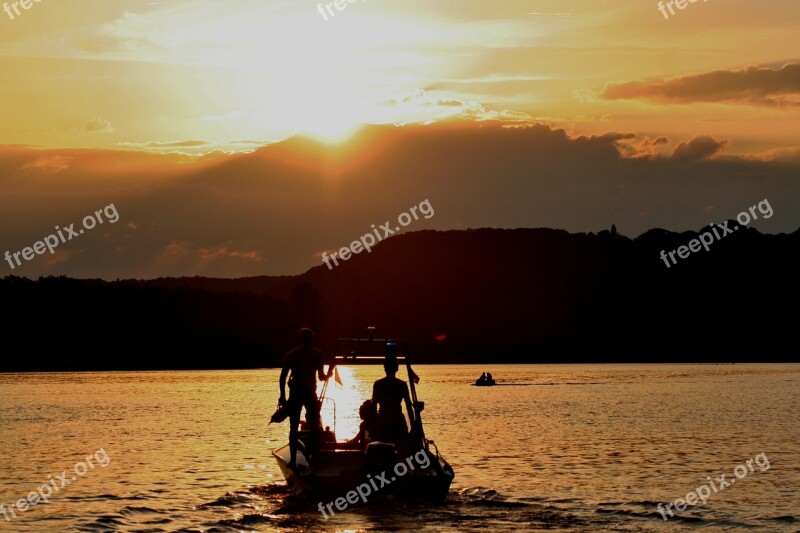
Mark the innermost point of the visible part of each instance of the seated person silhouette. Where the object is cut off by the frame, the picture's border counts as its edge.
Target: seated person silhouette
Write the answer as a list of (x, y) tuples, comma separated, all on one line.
[(481, 380), (387, 395), (366, 428)]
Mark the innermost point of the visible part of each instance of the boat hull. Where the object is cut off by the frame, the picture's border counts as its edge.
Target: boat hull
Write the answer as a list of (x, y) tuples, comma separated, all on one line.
[(339, 471)]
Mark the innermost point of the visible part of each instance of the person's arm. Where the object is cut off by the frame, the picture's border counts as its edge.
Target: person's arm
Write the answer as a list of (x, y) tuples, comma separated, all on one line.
[(360, 436), (407, 399), (284, 374), (321, 369)]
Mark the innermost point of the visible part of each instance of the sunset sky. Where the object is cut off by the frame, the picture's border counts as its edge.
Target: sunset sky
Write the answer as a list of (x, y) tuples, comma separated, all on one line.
[(572, 114)]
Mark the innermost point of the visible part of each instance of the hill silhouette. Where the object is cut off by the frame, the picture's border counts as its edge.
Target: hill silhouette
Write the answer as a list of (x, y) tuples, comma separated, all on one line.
[(485, 295)]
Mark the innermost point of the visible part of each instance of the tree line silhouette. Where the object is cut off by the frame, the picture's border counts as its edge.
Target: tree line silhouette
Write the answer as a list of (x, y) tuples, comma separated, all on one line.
[(486, 295)]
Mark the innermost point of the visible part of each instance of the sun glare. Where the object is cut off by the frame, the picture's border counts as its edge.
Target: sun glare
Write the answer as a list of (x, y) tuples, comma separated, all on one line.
[(285, 71), (347, 398), (333, 133), (333, 130), (316, 77)]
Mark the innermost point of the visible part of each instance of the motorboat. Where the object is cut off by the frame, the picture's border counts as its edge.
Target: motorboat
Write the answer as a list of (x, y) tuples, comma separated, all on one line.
[(409, 467), (484, 381)]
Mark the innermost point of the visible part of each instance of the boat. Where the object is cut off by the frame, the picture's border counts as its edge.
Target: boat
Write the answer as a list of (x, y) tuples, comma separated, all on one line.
[(408, 468), (485, 381)]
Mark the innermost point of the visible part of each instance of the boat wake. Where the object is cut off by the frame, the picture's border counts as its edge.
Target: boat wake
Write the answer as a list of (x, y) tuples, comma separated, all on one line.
[(274, 507)]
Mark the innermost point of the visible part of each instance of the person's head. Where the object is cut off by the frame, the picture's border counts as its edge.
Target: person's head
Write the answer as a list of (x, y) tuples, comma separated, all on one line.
[(390, 363), (391, 366), (305, 335), (366, 410)]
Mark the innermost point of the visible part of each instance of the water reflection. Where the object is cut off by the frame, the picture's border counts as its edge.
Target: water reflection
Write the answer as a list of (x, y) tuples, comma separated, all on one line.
[(581, 447), (343, 402), (345, 399)]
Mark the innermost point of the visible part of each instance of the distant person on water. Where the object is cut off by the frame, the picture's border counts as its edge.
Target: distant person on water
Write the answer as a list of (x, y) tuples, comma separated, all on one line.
[(305, 364), (388, 394), (482, 379)]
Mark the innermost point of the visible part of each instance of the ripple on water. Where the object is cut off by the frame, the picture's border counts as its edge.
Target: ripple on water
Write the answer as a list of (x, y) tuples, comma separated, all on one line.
[(596, 449), (130, 510), (469, 508)]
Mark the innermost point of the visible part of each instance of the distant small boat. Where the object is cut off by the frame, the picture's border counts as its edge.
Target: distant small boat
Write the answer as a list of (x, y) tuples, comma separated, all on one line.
[(484, 382)]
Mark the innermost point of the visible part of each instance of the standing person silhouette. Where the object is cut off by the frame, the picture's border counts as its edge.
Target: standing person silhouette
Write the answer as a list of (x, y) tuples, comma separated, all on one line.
[(387, 395), (305, 363)]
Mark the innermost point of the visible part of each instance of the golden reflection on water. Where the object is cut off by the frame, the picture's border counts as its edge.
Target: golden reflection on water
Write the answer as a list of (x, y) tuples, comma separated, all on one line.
[(602, 443), (355, 388), (347, 397)]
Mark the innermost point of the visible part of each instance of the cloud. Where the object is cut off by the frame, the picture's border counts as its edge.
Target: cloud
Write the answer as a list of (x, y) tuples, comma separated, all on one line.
[(229, 257), (270, 211), (701, 147), (174, 144), (131, 33), (612, 137), (48, 163), (425, 107), (194, 148), (782, 154), (752, 86), (98, 125), (647, 147)]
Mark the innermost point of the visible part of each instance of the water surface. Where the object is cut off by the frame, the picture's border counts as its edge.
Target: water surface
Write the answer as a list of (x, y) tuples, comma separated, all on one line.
[(557, 447)]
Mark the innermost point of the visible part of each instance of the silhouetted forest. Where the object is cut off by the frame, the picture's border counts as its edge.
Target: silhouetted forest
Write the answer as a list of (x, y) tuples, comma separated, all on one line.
[(488, 295)]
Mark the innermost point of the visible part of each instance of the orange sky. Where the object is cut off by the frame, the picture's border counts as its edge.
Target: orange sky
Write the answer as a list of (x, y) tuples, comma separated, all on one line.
[(127, 101), (116, 73)]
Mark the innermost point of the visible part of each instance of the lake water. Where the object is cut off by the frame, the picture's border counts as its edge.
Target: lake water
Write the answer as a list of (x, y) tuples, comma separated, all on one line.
[(558, 447)]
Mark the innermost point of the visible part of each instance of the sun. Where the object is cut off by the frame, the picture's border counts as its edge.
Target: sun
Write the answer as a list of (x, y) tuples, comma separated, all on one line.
[(279, 71), (328, 106), (332, 130), (319, 78)]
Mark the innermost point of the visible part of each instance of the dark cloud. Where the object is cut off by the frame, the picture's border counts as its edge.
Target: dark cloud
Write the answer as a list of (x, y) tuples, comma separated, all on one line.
[(701, 147), (753, 86), (272, 211)]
